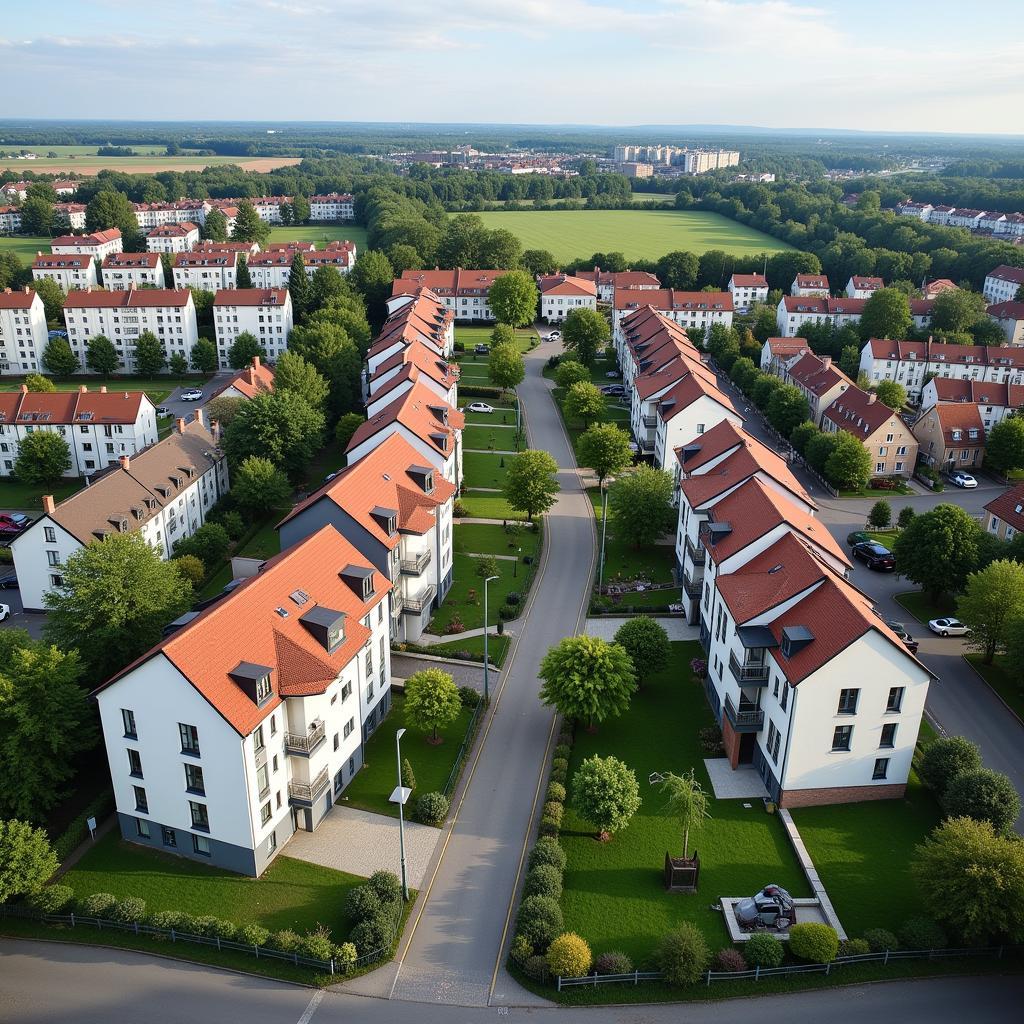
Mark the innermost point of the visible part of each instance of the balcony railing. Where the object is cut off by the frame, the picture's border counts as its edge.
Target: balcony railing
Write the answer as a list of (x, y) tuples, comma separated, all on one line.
[(748, 718), (748, 673), (646, 444), (692, 587), (397, 602), (698, 553), (419, 603), (649, 421), (307, 792), (296, 743), (414, 566)]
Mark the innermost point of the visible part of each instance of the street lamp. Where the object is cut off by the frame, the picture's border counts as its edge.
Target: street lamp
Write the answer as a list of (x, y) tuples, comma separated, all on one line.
[(487, 680), (515, 564), (604, 532), (399, 796)]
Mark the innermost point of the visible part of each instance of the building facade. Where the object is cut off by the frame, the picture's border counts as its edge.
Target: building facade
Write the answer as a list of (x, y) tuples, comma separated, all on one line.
[(124, 271), (178, 237), (98, 244), (23, 334), (68, 271), (266, 313), (561, 294)]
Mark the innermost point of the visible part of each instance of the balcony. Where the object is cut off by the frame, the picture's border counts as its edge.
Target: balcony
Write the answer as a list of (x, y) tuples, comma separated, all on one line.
[(748, 673), (698, 553), (415, 566), (397, 602), (649, 421), (692, 587), (749, 718), (646, 445), (296, 743), (421, 602), (307, 792)]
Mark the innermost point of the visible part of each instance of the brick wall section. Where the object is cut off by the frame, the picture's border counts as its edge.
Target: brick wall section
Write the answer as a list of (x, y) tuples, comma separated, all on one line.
[(838, 794), (731, 742)]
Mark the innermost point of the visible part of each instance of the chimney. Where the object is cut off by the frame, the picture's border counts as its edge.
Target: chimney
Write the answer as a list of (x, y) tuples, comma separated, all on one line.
[(48, 504), (255, 362), (103, 389), (199, 417), (83, 388), (24, 389), (179, 424), (872, 398), (826, 361), (125, 462), (215, 429)]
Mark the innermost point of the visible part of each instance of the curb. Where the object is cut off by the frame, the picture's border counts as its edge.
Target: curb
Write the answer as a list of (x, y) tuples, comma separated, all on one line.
[(995, 693)]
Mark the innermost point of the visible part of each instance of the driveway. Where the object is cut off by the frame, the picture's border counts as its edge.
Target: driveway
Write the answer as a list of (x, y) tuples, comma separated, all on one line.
[(19, 618), (176, 407)]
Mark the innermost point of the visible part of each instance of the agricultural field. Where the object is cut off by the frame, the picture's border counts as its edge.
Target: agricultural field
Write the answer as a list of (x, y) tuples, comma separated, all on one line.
[(639, 234), (148, 160)]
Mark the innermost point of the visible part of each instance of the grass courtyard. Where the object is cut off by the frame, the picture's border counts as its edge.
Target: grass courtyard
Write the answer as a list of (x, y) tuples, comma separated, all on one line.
[(638, 234), (494, 437), (321, 234), (497, 648), (614, 895), (19, 496), (479, 334), (489, 506), (465, 600), (492, 539), (485, 469)]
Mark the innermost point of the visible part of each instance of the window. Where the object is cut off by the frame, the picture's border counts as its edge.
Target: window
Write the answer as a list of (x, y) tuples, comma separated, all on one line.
[(128, 718), (773, 735), (142, 828), (881, 768), (56, 580), (265, 813), (369, 692), (272, 842), (194, 779), (141, 803), (263, 780), (200, 817), (275, 762), (895, 701), (53, 558), (263, 690), (888, 735), (785, 696), (134, 763), (349, 726), (337, 742), (841, 737), (273, 725), (49, 533), (346, 692), (257, 738), (848, 702), (201, 845), (189, 739)]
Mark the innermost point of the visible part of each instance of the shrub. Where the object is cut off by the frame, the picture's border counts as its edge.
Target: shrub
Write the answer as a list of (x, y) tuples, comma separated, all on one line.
[(130, 910), (543, 880), (190, 925), (547, 851), (613, 962), (923, 933), (815, 943), (431, 808), (944, 759), (539, 920), (508, 611), (469, 697), (730, 960), (881, 939), (764, 950), (558, 775), (99, 904), (549, 828), (210, 925), (556, 791), (520, 951), (536, 967), (683, 955), (233, 523), (459, 509), (562, 751), (370, 935), (553, 810), (513, 598), (256, 935), (985, 795), (710, 737), (191, 568), (565, 740), (286, 941), (569, 956), (362, 903), (317, 944), (52, 899), (559, 764), (345, 956), (167, 919), (387, 886), (854, 947)]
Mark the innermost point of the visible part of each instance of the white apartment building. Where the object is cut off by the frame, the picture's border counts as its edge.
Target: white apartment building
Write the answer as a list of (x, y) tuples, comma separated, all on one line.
[(1010, 318), (607, 281), (863, 287), (397, 512), (338, 254), (1001, 284), (561, 294), (153, 215), (170, 314), (919, 211), (10, 219), (995, 402), (98, 426), (272, 268), (747, 289), (333, 206), (778, 353), (23, 333), (74, 212), (688, 309), (819, 380), (420, 316), (266, 313), (810, 284), (164, 492), (123, 271), (687, 409), (97, 245), (464, 292), (396, 375), (68, 271), (221, 743), (183, 237), (269, 207), (208, 269)]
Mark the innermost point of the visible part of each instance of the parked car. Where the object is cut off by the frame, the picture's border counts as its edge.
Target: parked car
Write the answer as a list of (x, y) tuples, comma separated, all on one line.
[(613, 389), (191, 395), (948, 627), (908, 641), (482, 350), (9, 581), (330, 477), (857, 537), (480, 407), (554, 335), (874, 556), (18, 520), (5, 612), (612, 375), (962, 479), (162, 410)]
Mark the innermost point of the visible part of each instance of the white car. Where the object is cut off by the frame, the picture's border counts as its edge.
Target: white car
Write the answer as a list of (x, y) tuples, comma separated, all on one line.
[(192, 395), (554, 335), (5, 612), (962, 479), (480, 407), (948, 627)]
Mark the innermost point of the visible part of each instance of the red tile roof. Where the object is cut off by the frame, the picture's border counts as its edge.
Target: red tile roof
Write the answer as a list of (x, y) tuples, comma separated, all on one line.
[(447, 282), (62, 261), (749, 281), (68, 407), (783, 347), (251, 381), (862, 283), (90, 299), (620, 278), (251, 297), (686, 391), (93, 238), (670, 300), (562, 284), (817, 374), (178, 230), (858, 412), (1015, 275), (1009, 507), (17, 299), (957, 416), (127, 260), (207, 258), (424, 359), (420, 411), (812, 281), (1007, 310), (952, 389)]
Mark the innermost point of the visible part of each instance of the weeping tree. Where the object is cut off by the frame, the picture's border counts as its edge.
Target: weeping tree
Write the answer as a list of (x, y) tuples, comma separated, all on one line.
[(687, 803)]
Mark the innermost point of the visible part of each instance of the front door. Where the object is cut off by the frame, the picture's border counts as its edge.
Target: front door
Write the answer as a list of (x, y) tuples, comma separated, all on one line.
[(747, 744)]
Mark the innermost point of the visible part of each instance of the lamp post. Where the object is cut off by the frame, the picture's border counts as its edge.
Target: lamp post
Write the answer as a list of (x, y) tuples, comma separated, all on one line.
[(400, 795), (515, 564), (487, 678), (604, 534)]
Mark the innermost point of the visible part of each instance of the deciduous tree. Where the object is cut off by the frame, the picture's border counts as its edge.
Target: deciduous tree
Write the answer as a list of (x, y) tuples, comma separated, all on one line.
[(646, 643), (101, 356), (848, 466), (584, 401), (584, 333), (279, 425), (984, 795), (891, 393), (249, 227), (639, 504), (880, 515), (787, 409), (605, 792), (53, 298), (506, 368), (513, 298), (36, 382), (938, 550), (43, 458), (27, 860), (294, 373), (991, 601), (587, 678), (530, 485), (604, 448), (204, 356), (259, 486), (149, 354), (431, 701), (687, 802), (1004, 445), (59, 358), (569, 372), (886, 315), (242, 349)]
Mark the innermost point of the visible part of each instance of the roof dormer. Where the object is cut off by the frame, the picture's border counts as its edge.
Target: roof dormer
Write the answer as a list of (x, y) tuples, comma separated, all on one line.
[(423, 476), (360, 579), (254, 681), (326, 626), (795, 639), (386, 519)]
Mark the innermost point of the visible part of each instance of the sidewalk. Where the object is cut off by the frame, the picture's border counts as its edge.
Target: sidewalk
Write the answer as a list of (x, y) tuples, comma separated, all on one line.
[(85, 846)]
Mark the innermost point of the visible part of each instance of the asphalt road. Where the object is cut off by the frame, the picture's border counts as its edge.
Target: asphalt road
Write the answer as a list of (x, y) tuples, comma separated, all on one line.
[(176, 407), (54, 983)]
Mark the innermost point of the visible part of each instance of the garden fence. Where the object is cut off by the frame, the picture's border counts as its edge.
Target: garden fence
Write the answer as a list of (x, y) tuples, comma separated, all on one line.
[(467, 742), (137, 928), (758, 973)]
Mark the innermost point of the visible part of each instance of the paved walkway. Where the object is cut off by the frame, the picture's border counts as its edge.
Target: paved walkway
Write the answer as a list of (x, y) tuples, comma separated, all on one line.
[(676, 626), (742, 784), (464, 674), (361, 842)]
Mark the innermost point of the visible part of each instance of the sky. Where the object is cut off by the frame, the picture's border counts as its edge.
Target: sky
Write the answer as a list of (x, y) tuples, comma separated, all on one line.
[(898, 65)]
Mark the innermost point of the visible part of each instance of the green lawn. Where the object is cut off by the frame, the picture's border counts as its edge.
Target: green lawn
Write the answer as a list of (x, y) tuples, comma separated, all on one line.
[(431, 764), (489, 506), (24, 247), (16, 495), (330, 459), (639, 234), (863, 851), (290, 893), (493, 437), (158, 388), (266, 541), (484, 469), (492, 539), (321, 234), (923, 608), (497, 648), (614, 894), (216, 583), (526, 337), (1000, 678), (503, 415), (470, 609)]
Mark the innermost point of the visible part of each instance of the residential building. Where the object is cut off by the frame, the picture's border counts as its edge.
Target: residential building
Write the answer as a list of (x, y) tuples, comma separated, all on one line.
[(688, 309), (23, 333), (647, 341), (68, 271), (920, 211), (223, 741), (1010, 318), (994, 401), (415, 362), (170, 314), (74, 213), (338, 254), (98, 244), (243, 248), (153, 215), (933, 289), (951, 436), (863, 287), (333, 206), (464, 292), (1001, 284), (212, 270), (962, 217), (183, 237), (607, 281), (1006, 513), (891, 444), (247, 383), (920, 313), (396, 510), (778, 353), (164, 492), (561, 294), (810, 284), (430, 425), (98, 426), (273, 267), (796, 311), (746, 290), (10, 219), (418, 316), (266, 313), (269, 207), (687, 409), (123, 271), (819, 380), (15, 189)]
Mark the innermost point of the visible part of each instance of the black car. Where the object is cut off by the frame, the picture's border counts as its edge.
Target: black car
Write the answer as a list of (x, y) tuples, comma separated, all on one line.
[(482, 350), (874, 556), (9, 581)]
